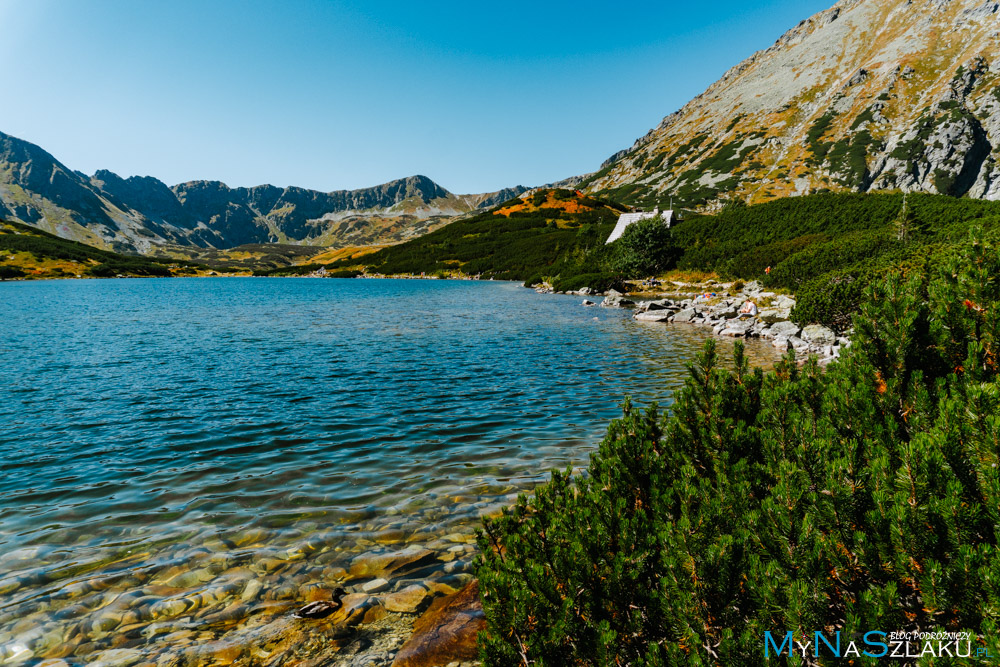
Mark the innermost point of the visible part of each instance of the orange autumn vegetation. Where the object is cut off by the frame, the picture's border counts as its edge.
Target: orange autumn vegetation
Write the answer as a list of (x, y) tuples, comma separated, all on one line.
[(575, 205)]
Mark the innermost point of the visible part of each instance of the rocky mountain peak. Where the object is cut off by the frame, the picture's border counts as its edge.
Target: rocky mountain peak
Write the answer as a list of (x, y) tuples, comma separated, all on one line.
[(139, 213), (867, 95)]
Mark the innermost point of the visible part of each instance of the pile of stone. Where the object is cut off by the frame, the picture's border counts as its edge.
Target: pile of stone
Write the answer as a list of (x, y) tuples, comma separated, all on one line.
[(767, 317)]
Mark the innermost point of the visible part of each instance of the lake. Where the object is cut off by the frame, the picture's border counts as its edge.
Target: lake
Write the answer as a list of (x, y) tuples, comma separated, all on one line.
[(185, 462)]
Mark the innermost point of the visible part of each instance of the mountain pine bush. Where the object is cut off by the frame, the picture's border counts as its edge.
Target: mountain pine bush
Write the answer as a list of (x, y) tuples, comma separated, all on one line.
[(645, 248), (863, 497)]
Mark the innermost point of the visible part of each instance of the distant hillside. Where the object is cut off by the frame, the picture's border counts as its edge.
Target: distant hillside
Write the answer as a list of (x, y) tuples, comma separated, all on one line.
[(520, 239), (869, 95), (245, 258), (26, 252), (141, 214)]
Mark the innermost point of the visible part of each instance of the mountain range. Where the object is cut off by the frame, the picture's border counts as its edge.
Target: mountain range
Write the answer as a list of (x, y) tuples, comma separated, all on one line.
[(143, 214), (868, 95)]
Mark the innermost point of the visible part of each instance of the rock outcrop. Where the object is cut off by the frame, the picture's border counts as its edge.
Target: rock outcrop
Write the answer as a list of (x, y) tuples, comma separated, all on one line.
[(868, 95), (728, 313), (447, 632)]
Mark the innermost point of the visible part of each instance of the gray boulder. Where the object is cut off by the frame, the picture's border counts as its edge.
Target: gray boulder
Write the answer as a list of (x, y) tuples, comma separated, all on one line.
[(818, 335), (784, 330), (686, 315), (654, 316), (616, 301), (723, 311), (799, 344), (784, 302), (772, 315), (737, 328)]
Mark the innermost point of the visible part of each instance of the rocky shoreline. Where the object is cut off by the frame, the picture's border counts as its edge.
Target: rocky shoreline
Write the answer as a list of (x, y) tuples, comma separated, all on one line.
[(729, 310)]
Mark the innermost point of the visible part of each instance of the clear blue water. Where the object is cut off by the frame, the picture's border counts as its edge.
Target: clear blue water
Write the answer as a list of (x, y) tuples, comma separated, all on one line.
[(145, 423)]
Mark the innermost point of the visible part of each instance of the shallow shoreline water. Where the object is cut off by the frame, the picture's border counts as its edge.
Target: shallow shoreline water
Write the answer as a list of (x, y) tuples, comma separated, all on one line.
[(186, 462)]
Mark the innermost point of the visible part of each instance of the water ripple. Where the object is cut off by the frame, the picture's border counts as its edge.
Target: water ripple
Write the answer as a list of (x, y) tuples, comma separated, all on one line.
[(152, 425)]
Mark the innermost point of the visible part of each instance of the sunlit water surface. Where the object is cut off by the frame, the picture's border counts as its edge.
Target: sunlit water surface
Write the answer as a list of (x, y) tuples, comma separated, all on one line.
[(186, 461)]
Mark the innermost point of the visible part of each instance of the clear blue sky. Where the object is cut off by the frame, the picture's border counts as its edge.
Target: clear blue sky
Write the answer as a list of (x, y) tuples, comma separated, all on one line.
[(347, 94)]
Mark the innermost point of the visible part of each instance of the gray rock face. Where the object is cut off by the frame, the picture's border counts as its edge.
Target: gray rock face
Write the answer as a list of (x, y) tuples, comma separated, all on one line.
[(948, 162), (867, 95), (616, 302), (785, 302), (818, 335), (501, 196), (656, 305), (798, 343), (737, 328), (785, 330), (772, 315), (654, 316), (782, 343), (686, 315), (723, 312)]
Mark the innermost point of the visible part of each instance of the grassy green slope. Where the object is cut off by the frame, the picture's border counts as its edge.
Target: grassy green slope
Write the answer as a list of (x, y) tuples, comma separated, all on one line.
[(26, 252), (828, 247), (824, 247), (733, 240), (540, 235)]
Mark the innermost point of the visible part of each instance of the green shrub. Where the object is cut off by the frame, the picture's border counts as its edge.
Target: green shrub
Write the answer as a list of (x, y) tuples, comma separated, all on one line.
[(104, 271), (803, 239), (348, 273), (595, 281), (536, 279), (863, 497), (819, 258), (11, 272), (645, 248), (831, 300), (752, 264), (297, 270)]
